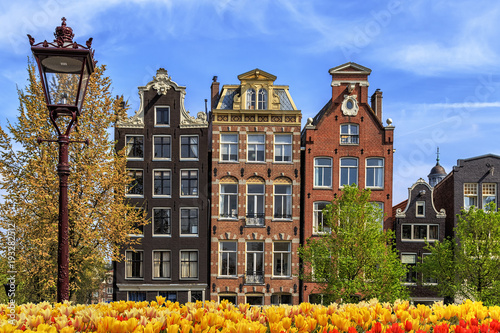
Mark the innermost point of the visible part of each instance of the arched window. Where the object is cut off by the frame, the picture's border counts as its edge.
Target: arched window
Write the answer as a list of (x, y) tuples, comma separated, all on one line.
[(262, 99), (251, 99)]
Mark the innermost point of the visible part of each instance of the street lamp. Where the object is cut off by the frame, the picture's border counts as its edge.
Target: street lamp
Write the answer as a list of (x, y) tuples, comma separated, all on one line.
[(65, 68)]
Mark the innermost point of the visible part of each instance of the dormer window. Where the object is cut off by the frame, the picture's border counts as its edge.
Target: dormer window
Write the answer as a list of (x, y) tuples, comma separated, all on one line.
[(261, 99), (251, 99)]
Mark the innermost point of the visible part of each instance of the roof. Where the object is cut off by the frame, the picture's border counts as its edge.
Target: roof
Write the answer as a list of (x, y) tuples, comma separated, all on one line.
[(437, 170), (402, 205), (350, 68)]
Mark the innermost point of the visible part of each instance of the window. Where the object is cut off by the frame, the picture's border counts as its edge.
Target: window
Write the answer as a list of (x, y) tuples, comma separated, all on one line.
[(428, 279), (470, 195), (161, 221), (135, 146), (136, 186), (281, 259), (349, 134), (196, 295), (189, 182), (161, 147), (255, 300), (251, 99), (323, 172), (169, 295), (256, 147), (419, 232), (375, 172), (161, 264), (319, 225), (189, 221), (162, 182), (162, 115), (348, 171), (189, 264), (420, 209), (229, 201), (136, 296), (109, 290), (489, 192), (189, 147), (229, 147), (133, 265), (410, 260), (277, 299), (231, 298), (262, 101), (283, 148), (228, 258), (283, 202), (255, 262), (255, 204)]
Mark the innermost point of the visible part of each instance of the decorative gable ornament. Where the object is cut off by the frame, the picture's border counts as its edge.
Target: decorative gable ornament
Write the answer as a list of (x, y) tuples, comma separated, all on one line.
[(161, 82), (350, 105)]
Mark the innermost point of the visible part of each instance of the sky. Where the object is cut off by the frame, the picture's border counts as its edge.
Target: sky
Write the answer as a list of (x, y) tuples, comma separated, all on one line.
[(436, 62)]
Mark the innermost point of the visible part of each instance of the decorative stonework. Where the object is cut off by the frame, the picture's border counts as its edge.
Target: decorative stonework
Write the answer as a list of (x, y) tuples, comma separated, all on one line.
[(235, 117), (250, 118), (222, 117), (263, 118), (290, 119), (350, 105), (276, 119)]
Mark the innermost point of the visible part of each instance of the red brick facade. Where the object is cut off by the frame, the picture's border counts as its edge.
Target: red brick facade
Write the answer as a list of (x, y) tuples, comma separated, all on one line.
[(346, 140)]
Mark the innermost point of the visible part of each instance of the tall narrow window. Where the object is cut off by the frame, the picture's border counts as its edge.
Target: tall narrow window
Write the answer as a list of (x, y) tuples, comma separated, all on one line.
[(162, 115), (189, 264), (349, 134), (323, 172), (161, 264), (228, 258), (229, 147), (262, 99), (135, 146), (470, 195), (161, 148), (281, 261), (162, 182), (189, 221), (189, 182), (283, 202), (348, 171), (251, 99), (135, 188), (133, 265), (189, 147), (319, 224), (375, 172), (255, 262), (420, 209), (161, 221), (283, 148), (256, 147), (255, 204), (410, 260), (229, 200), (489, 193)]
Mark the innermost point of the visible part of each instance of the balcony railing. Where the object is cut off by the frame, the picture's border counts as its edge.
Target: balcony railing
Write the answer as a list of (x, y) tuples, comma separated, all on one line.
[(284, 216), (254, 277), (255, 219), (232, 215)]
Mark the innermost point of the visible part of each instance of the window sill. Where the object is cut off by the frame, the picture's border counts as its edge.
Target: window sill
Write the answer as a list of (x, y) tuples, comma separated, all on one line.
[(322, 188), (419, 240), (161, 279), (162, 159), (167, 236), (229, 277), (162, 196), (256, 162), (134, 235), (162, 125), (349, 144), (189, 279), (375, 188), (134, 279), (138, 196), (281, 278), (135, 158), (228, 162), (189, 196), (282, 220), (189, 235), (278, 162), (182, 159), (228, 219)]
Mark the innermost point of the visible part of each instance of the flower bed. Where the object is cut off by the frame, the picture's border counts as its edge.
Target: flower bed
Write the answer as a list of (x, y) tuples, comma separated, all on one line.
[(161, 316)]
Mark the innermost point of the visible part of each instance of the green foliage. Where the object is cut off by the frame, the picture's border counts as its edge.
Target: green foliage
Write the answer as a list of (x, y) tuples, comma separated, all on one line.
[(356, 260), (468, 266)]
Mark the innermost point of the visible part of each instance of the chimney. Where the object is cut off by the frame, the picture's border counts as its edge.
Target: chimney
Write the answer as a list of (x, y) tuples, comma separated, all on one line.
[(214, 93), (377, 103)]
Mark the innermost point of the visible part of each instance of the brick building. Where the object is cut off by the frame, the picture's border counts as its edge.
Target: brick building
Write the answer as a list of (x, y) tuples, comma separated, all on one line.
[(168, 158), (417, 221), (345, 143), (255, 185)]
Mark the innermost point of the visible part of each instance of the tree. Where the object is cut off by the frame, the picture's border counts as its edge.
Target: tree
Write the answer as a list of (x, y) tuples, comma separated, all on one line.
[(468, 266), (356, 260), (100, 219)]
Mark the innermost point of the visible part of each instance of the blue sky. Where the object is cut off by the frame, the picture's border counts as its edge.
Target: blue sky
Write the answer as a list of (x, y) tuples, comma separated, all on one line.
[(437, 62)]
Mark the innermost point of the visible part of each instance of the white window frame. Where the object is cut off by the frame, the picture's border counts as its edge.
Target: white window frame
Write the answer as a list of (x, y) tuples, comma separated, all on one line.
[(288, 258), (316, 212), (153, 222), (197, 264), (322, 169), (197, 184), (129, 262), (133, 195), (154, 181), (412, 229), (350, 182), (197, 222), (262, 99), (417, 205), (229, 145), (284, 199), (349, 138), (134, 158), (256, 220), (251, 99), (284, 146), (229, 215), (153, 262), (376, 168), (380, 205), (468, 191), (223, 253), (169, 113), (255, 145), (254, 278), (413, 272), (197, 147), (170, 149), (486, 187)]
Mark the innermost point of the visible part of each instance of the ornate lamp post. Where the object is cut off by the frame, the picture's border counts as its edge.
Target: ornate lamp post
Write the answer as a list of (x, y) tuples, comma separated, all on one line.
[(65, 68)]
